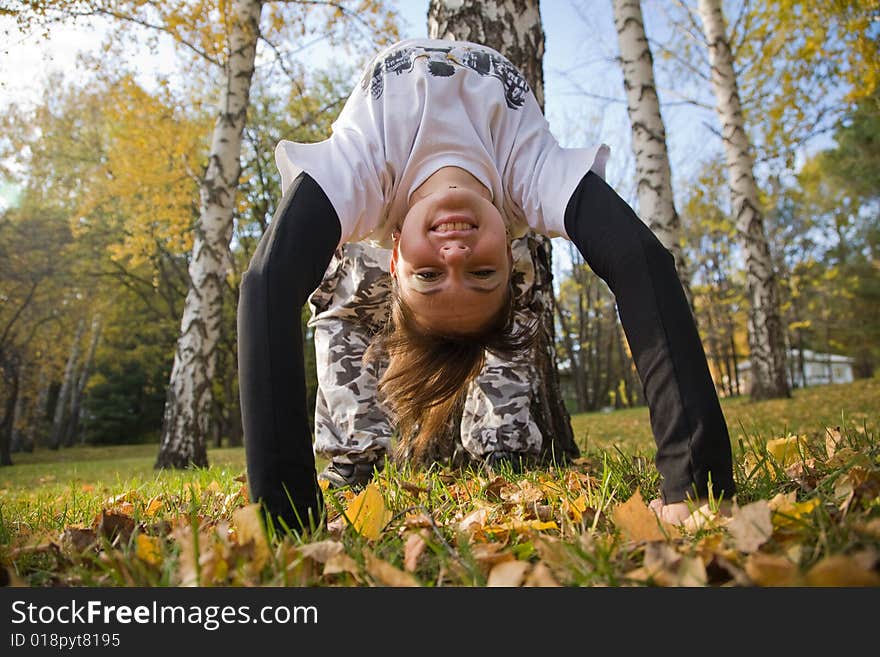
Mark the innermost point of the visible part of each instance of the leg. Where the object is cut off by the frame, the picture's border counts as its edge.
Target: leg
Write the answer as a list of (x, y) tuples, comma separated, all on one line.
[(351, 304), (496, 422)]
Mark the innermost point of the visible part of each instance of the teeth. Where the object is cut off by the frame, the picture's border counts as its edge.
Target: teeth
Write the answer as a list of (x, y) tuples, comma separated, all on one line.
[(453, 225)]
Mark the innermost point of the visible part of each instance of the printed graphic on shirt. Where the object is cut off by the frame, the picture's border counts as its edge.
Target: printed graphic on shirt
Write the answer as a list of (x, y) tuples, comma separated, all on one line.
[(443, 62)]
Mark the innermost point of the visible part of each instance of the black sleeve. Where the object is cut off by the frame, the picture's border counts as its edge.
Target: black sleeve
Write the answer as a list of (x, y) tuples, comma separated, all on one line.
[(287, 266), (693, 445)]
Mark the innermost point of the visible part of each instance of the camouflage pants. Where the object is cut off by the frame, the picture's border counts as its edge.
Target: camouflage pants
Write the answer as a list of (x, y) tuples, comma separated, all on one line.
[(351, 425)]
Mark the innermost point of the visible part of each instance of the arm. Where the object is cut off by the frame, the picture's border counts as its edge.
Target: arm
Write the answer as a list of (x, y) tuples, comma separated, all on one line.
[(286, 268), (693, 445)]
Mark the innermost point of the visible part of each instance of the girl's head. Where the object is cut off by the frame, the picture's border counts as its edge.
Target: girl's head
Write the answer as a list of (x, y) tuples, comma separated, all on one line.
[(452, 301), (451, 259)]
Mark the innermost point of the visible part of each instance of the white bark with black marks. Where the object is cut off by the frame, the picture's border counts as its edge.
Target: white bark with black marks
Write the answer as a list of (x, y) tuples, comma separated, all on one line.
[(514, 29), (766, 335), (653, 171), (58, 425), (188, 404)]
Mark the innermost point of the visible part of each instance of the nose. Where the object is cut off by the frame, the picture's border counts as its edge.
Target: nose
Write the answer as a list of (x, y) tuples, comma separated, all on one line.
[(453, 252)]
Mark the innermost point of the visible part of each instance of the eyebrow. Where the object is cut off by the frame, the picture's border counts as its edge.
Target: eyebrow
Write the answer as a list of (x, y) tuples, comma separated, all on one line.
[(481, 290)]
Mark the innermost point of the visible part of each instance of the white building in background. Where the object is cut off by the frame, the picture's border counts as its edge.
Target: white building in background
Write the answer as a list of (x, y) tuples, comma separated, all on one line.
[(818, 369)]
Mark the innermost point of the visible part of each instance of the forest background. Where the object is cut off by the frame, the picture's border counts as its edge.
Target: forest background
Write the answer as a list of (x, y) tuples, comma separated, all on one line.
[(103, 159)]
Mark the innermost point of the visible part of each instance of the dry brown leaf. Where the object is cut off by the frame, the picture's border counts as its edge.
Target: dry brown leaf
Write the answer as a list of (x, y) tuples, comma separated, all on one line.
[(321, 551), (522, 492), (540, 575), (341, 563), (833, 440), (412, 550), (841, 570), (187, 563), (249, 529), (637, 522), (772, 570), (490, 554), (691, 572), (751, 526), (474, 520), (76, 539), (508, 573), (114, 524), (386, 574), (367, 512)]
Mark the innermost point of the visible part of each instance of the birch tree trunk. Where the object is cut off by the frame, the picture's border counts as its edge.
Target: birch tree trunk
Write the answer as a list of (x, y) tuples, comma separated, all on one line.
[(79, 389), (514, 28), (653, 171), (189, 400), (67, 384), (766, 335)]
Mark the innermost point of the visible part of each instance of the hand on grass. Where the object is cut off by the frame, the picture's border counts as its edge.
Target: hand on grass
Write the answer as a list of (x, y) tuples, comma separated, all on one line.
[(677, 512)]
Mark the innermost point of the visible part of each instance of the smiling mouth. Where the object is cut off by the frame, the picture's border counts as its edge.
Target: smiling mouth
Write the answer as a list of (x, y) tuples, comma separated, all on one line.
[(454, 223)]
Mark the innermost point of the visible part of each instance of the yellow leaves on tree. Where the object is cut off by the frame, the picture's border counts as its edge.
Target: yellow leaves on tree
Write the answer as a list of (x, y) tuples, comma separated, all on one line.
[(148, 181)]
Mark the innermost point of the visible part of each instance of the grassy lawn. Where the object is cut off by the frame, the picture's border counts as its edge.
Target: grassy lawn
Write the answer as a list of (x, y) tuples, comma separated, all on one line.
[(808, 513)]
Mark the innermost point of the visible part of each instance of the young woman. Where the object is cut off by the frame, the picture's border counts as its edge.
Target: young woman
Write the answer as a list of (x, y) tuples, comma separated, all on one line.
[(442, 154)]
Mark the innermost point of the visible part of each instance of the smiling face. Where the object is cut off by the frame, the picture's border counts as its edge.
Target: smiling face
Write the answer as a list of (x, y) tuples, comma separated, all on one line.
[(452, 260)]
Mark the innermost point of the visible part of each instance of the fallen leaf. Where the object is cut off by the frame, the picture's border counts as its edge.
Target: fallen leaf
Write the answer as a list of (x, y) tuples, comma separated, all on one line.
[(386, 574), (248, 524), (788, 450), (154, 506), (112, 524), (540, 575), (367, 512), (772, 570), (833, 440), (473, 521), (490, 554), (341, 563), (522, 492), (412, 550), (751, 526), (321, 551), (636, 521), (508, 573), (148, 548), (841, 570), (76, 539)]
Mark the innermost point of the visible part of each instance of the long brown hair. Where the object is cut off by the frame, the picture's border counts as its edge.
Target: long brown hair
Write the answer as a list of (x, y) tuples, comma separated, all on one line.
[(428, 373)]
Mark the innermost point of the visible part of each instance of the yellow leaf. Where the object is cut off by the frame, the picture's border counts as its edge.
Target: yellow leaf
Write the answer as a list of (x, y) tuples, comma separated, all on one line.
[(841, 570), (367, 512), (154, 506), (637, 522), (249, 528), (786, 451), (147, 549), (772, 570)]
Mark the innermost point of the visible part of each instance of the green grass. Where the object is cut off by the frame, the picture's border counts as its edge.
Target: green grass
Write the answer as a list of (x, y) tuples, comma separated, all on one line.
[(104, 516)]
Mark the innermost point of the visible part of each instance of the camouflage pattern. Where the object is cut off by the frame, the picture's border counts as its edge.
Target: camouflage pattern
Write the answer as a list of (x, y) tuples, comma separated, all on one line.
[(348, 308)]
